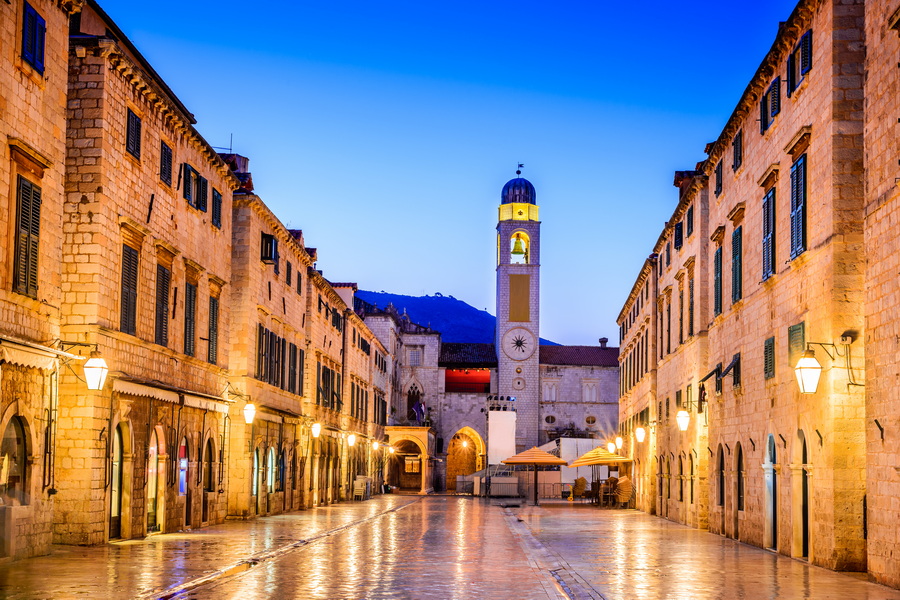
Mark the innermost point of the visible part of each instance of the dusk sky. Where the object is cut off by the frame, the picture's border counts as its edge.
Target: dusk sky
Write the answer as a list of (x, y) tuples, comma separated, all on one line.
[(386, 130)]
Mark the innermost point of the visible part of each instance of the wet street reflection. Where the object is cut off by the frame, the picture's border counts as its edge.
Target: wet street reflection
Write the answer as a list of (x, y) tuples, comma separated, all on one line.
[(445, 547)]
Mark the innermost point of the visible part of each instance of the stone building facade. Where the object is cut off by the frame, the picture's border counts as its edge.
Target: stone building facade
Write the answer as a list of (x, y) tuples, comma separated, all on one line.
[(33, 66), (146, 259), (794, 260)]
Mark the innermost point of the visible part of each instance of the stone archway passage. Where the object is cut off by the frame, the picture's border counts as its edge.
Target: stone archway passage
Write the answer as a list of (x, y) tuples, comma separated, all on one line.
[(408, 466), (462, 458)]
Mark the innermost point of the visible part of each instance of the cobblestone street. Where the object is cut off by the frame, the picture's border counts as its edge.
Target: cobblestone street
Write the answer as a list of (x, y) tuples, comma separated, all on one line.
[(432, 547)]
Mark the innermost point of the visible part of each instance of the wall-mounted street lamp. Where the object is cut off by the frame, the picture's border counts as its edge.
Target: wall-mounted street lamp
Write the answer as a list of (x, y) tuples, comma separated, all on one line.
[(95, 367), (249, 413), (639, 434), (683, 418), (611, 447), (351, 440), (808, 370), (316, 429), (619, 442), (375, 445)]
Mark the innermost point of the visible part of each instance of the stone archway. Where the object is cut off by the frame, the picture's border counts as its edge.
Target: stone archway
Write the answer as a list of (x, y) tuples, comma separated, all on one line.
[(465, 455), (800, 497), (408, 466)]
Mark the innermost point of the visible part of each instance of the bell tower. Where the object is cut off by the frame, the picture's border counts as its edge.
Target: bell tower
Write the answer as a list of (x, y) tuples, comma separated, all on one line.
[(518, 306)]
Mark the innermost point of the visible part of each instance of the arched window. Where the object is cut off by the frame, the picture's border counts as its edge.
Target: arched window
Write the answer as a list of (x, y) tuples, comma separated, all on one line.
[(13, 467), (183, 459), (721, 474), (740, 477), (680, 480), (270, 471), (414, 409), (668, 480), (152, 480), (279, 475), (209, 479), (691, 465), (254, 484)]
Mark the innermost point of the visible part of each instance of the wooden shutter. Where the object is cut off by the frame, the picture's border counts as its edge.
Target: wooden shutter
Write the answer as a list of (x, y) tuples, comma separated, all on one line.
[(691, 307), (737, 146), (737, 279), (128, 319), (190, 319), (287, 276), (301, 366), (34, 32), (769, 358), (260, 351), (796, 342), (806, 52), (202, 193), (28, 230), (768, 237), (679, 235), (763, 113), (791, 72), (163, 277), (798, 207), (689, 219), (165, 163), (212, 354), (217, 208), (775, 97), (188, 190), (717, 281), (718, 178), (292, 369), (133, 135)]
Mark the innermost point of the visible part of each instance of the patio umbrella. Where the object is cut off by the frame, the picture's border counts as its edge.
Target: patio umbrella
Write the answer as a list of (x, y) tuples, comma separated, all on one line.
[(598, 456), (534, 457)]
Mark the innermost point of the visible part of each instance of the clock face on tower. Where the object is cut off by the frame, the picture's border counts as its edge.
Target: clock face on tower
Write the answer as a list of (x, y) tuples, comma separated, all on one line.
[(518, 343)]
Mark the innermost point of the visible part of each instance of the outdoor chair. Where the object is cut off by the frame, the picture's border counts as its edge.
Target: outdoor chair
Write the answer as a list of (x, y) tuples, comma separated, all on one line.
[(359, 489)]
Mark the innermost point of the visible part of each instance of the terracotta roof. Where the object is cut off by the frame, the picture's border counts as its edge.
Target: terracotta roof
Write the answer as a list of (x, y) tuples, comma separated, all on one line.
[(580, 356), (457, 354)]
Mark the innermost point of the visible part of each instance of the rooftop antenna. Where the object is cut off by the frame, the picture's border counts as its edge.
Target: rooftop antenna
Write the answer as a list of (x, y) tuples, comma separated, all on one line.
[(231, 144), (519, 169)]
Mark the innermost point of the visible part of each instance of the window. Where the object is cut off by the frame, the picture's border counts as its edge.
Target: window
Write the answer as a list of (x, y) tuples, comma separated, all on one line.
[(768, 237), (133, 135), (217, 208), (718, 189), (287, 276), (128, 319), (689, 221), (268, 250), (668, 253), (796, 342), (737, 149), (678, 399), (415, 356), (681, 314), (769, 358), (549, 419), (679, 235), (190, 318), (770, 105), (737, 279), (34, 32), (669, 325), (165, 163), (163, 278), (15, 463), (196, 188), (799, 62), (717, 281), (183, 460), (590, 420), (721, 474), (28, 230), (798, 207), (690, 330), (212, 353), (299, 282), (740, 478)]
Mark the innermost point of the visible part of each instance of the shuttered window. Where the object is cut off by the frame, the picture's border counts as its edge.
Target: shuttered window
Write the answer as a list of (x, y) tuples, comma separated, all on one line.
[(769, 358), (737, 150), (679, 235), (289, 271), (737, 277), (796, 342), (165, 163), (28, 231), (770, 105), (196, 188), (717, 282), (190, 319), (34, 33), (799, 62), (188, 177), (689, 221), (292, 369), (128, 318), (690, 331), (718, 189), (163, 280), (768, 235), (133, 135), (217, 208), (798, 207), (212, 354)]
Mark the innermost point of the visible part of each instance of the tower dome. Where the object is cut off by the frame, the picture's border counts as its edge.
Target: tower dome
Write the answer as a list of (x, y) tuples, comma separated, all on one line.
[(518, 190)]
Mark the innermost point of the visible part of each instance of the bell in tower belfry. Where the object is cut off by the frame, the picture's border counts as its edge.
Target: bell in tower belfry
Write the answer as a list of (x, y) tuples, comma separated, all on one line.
[(519, 252)]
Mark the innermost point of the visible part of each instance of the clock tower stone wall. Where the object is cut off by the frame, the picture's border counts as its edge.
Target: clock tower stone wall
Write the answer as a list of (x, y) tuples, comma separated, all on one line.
[(518, 307)]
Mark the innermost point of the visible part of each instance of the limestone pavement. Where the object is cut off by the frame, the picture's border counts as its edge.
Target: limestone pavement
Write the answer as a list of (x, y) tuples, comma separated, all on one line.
[(432, 547)]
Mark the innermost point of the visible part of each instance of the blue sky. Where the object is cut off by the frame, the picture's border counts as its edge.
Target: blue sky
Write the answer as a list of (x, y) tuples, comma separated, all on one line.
[(386, 130)]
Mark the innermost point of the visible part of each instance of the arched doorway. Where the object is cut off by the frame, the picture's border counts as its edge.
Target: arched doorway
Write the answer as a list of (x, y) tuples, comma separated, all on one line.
[(465, 455), (406, 470), (116, 479), (184, 487), (800, 497), (720, 480), (153, 483), (209, 478), (770, 470), (257, 485), (738, 488)]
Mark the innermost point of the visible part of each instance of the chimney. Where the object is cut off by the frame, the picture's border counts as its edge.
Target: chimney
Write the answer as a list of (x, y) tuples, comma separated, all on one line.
[(603, 342)]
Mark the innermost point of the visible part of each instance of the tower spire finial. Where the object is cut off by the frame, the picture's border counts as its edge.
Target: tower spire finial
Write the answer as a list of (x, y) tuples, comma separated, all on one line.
[(519, 169)]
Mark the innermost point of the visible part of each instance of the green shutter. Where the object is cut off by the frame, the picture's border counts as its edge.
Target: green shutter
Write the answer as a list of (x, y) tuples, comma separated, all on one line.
[(190, 316), (128, 315), (769, 358), (796, 342), (212, 354), (737, 279)]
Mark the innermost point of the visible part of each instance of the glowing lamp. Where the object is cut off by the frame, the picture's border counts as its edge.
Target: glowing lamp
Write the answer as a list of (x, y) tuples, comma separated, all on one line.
[(465, 443), (639, 434), (375, 445), (316, 429), (392, 449), (611, 447), (619, 442), (249, 413), (95, 371), (351, 439), (683, 418), (808, 371)]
